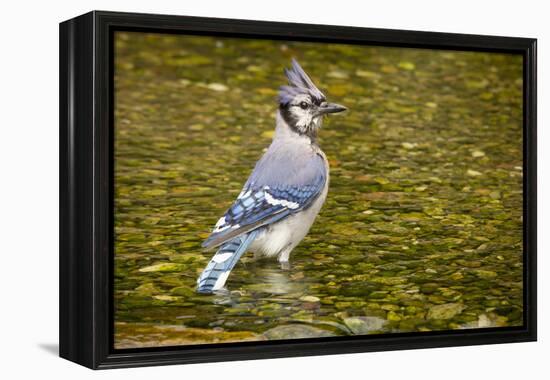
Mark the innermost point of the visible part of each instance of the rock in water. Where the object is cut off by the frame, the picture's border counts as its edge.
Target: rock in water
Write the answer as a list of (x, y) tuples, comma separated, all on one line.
[(445, 311), (364, 325), (295, 332)]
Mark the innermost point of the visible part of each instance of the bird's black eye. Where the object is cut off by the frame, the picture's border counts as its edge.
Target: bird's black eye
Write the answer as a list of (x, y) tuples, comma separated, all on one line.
[(304, 105)]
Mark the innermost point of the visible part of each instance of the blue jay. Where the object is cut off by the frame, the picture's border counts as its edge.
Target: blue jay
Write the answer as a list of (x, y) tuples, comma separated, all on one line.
[(283, 195)]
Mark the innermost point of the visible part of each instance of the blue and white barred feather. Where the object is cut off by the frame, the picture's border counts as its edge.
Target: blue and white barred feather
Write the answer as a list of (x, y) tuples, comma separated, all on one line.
[(220, 266)]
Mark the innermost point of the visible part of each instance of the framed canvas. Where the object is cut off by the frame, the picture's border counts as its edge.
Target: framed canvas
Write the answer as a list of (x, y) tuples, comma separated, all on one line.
[(236, 189)]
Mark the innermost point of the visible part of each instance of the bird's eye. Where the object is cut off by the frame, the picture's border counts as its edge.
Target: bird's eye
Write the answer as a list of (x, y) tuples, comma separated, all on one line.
[(304, 105)]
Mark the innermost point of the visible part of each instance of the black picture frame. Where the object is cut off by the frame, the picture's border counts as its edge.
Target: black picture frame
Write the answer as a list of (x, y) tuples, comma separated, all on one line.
[(86, 189)]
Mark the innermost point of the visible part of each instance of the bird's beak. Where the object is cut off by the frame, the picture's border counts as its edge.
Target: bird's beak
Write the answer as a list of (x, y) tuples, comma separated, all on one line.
[(326, 108)]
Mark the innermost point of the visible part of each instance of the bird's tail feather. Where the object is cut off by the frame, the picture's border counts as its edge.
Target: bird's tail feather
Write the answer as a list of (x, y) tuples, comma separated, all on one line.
[(215, 274)]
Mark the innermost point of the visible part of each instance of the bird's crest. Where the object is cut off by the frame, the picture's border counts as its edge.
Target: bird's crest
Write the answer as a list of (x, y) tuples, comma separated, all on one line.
[(298, 83)]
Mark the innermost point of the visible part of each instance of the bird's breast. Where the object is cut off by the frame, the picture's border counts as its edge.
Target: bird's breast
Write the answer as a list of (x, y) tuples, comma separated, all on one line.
[(288, 232)]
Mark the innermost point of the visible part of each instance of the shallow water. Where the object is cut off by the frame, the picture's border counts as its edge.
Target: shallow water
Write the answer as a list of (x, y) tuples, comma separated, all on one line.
[(422, 226)]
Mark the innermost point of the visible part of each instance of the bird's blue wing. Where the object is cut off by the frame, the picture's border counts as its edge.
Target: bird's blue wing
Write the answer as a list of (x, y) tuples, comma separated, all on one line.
[(259, 205)]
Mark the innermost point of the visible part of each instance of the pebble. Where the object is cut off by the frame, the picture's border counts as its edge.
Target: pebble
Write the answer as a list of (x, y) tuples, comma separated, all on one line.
[(445, 311), (163, 267), (294, 331), (217, 87), (364, 325), (473, 173), (309, 299)]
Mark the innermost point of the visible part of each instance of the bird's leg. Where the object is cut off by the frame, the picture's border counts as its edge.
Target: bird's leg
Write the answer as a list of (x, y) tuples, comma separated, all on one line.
[(283, 258), (285, 265)]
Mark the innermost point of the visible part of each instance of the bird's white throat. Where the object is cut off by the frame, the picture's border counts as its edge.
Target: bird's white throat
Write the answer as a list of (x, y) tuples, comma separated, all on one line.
[(285, 132)]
